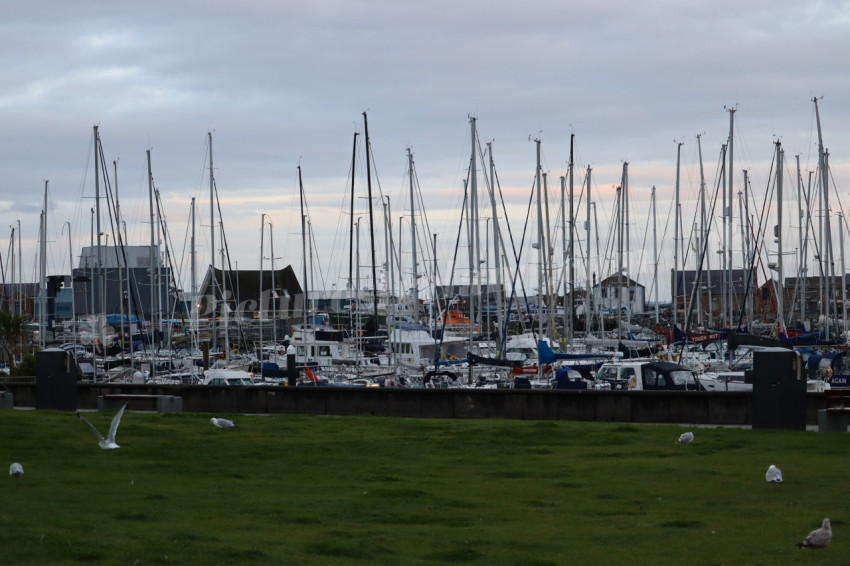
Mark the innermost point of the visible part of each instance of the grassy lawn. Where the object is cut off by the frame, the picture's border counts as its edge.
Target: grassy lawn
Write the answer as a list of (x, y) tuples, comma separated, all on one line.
[(353, 490)]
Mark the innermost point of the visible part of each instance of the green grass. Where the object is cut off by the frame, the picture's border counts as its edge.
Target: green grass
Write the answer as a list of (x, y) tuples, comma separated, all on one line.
[(355, 491)]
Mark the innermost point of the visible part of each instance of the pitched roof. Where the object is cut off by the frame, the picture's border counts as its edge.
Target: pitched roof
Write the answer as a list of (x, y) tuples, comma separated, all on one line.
[(614, 281)]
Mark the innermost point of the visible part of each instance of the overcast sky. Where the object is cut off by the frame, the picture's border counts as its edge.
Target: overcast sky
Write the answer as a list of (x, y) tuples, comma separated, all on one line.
[(285, 83)]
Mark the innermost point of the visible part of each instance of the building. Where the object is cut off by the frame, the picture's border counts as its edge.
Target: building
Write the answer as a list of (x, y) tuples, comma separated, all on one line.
[(797, 290), (279, 296), (619, 291), (712, 289), (132, 275)]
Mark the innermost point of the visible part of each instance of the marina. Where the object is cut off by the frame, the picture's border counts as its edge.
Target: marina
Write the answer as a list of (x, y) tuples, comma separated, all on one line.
[(131, 313)]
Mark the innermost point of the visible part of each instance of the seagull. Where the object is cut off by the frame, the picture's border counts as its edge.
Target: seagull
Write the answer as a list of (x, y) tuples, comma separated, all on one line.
[(686, 438), (16, 469), (107, 443), (818, 538), (773, 475), (222, 423)]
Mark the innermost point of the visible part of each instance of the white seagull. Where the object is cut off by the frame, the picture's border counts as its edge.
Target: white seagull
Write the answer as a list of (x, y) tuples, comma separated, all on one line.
[(686, 438), (818, 538), (16, 469), (773, 475), (107, 443), (222, 423)]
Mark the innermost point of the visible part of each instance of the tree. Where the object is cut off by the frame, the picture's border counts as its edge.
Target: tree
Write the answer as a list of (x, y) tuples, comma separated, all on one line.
[(11, 334)]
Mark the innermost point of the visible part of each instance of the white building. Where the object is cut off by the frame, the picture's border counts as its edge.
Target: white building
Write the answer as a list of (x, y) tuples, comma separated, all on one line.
[(608, 292)]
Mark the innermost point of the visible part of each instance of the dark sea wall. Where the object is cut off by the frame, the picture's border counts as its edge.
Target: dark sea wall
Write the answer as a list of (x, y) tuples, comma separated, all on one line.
[(718, 408)]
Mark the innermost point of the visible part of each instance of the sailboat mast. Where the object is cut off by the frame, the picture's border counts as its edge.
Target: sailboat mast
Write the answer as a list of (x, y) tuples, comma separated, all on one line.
[(415, 288), (212, 241), (702, 236), (655, 254), (826, 241), (262, 238), (225, 315), (71, 269), (100, 274), (371, 219), (472, 223), (496, 241), (273, 290), (389, 282), (587, 289), (842, 227), (620, 222), (801, 260), (42, 280), (564, 263), (540, 254), (20, 271), (724, 287), (160, 245), (744, 244), (780, 283), (628, 243), (194, 282), (730, 176), (351, 216), (119, 245), (676, 224), (304, 249), (151, 257), (570, 309), (547, 266)]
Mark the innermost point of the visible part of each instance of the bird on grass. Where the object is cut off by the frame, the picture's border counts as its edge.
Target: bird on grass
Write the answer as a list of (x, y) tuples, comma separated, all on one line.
[(107, 443), (16, 469), (686, 438), (222, 423), (818, 538), (773, 475)]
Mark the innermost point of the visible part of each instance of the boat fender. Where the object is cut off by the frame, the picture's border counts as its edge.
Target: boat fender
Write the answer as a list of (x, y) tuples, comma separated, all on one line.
[(632, 382)]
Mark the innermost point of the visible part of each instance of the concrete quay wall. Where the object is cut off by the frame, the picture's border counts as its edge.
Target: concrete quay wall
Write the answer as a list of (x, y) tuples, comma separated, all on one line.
[(711, 408)]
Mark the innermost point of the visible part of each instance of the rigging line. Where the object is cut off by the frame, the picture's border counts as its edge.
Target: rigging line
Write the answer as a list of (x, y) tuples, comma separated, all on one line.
[(504, 332), (516, 256), (609, 244), (758, 249), (242, 339), (169, 258), (711, 219), (186, 238), (422, 245), (835, 190), (576, 235), (815, 236), (643, 246), (718, 186), (135, 305), (445, 313), (312, 237), (9, 255)]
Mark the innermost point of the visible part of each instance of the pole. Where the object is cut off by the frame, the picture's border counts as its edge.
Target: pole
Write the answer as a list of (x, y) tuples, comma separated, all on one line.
[(212, 242), (262, 232)]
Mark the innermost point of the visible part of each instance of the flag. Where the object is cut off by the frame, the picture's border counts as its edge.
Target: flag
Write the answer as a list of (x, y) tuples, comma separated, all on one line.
[(310, 375)]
